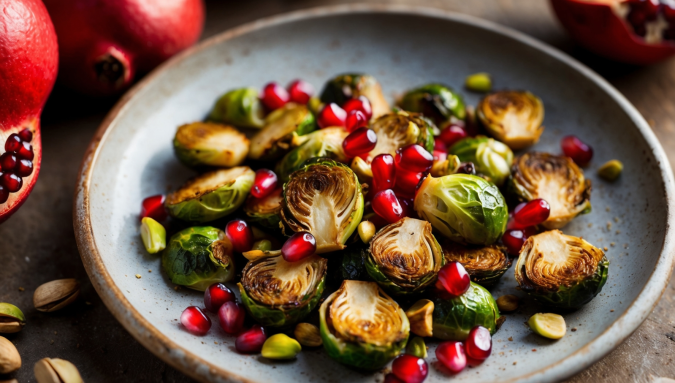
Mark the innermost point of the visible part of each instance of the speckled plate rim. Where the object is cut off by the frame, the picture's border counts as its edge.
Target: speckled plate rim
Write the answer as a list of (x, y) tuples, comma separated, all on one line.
[(194, 366)]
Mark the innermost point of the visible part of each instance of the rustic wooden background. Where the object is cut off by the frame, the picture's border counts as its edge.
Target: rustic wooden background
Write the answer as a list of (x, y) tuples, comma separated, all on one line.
[(38, 244)]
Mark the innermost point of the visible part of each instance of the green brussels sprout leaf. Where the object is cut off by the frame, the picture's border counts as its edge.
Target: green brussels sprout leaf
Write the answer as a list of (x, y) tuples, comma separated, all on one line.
[(454, 317)]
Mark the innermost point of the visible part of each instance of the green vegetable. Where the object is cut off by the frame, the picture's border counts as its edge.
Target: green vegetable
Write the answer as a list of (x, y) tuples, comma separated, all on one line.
[(348, 265), (210, 144), (454, 317), (347, 86), (274, 139), (240, 107), (512, 117), (479, 82), (485, 264), (398, 129), (490, 157), (322, 143), (265, 211), (435, 101), (153, 235)]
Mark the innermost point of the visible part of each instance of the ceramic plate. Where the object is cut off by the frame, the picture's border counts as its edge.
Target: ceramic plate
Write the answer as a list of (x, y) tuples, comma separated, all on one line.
[(131, 157)]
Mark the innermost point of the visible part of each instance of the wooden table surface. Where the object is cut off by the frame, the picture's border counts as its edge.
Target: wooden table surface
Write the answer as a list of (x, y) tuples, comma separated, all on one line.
[(38, 244)]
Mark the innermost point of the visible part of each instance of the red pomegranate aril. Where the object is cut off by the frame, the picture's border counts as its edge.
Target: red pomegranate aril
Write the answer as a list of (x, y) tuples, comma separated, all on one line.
[(300, 91), (478, 345), (23, 168), (153, 207), (216, 295), (11, 182), (407, 204), (669, 12), (513, 240), (439, 145), (274, 96), (391, 378), (195, 320), (386, 205), (407, 181), (25, 151), (240, 235), (410, 368), (8, 162), (384, 172), (577, 150), (452, 355), (454, 278), (231, 316), (251, 340), (265, 182), (414, 158), (532, 213), (512, 223), (4, 194), (360, 141), (355, 119), (26, 135), (299, 246), (360, 103), (13, 143), (331, 115), (452, 133)]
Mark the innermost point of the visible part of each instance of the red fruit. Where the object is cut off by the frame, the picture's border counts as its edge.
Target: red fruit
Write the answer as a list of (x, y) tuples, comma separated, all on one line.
[(407, 182), (216, 295), (298, 246), (452, 133), (231, 316), (466, 168), (414, 158), (513, 240), (195, 321), (384, 172), (454, 278), (440, 155), (407, 204), (251, 340), (274, 96), (355, 119), (153, 207), (11, 182), (360, 141), (8, 162), (532, 213), (360, 103), (4, 194), (13, 143), (331, 115), (575, 149), (387, 206), (451, 354), (25, 151), (512, 223), (300, 91), (479, 343), (24, 168), (391, 378), (439, 145), (265, 182), (240, 235), (26, 135), (103, 43), (410, 368)]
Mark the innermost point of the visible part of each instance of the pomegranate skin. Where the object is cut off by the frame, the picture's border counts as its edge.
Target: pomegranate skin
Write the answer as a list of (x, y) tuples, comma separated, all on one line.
[(104, 43)]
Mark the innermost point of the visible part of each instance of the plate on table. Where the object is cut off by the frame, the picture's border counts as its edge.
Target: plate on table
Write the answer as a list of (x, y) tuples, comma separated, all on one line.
[(131, 157)]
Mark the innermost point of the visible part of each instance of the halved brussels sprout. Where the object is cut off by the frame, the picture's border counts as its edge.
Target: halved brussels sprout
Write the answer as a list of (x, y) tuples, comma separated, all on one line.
[(321, 143), (346, 86), (277, 293), (323, 198), (348, 266), (491, 158), (556, 179), (265, 211), (512, 117), (197, 257), (398, 129), (210, 144), (485, 265), (560, 270), (463, 207), (273, 140), (454, 317), (239, 107), (211, 195), (436, 101), (404, 257), (362, 327)]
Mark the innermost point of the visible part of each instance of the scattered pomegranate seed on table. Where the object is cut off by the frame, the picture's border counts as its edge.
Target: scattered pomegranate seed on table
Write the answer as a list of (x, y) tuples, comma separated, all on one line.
[(240, 235), (355, 119), (300, 91), (298, 246), (478, 345), (452, 355), (410, 369), (532, 213), (251, 340), (361, 104), (231, 316), (386, 205), (331, 115), (216, 295), (265, 182), (384, 172), (451, 134), (414, 158), (360, 141), (577, 150), (195, 320), (153, 207), (274, 96), (454, 278)]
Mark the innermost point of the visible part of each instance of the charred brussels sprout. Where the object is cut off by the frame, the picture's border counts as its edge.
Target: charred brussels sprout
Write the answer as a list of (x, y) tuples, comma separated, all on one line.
[(346, 86), (348, 266), (485, 265), (197, 257), (560, 270), (558, 180), (362, 327), (322, 143), (404, 257), (265, 211), (239, 107), (398, 129), (512, 117), (277, 293), (463, 207), (323, 198), (435, 101), (274, 139), (210, 144), (211, 195), (491, 158), (454, 317)]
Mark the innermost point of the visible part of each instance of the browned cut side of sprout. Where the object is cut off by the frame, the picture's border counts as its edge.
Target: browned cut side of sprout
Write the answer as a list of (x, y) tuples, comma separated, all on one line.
[(484, 264), (512, 117)]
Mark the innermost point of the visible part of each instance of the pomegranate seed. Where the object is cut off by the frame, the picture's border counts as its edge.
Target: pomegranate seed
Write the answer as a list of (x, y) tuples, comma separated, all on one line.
[(479, 343), (467, 168), (216, 295), (331, 115), (274, 96), (669, 12), (512, 223), (454, 278), (300, 91), (195, 321), (414, 158), (513, 240), (407, 182), (153, 207), (410, 368), (24, 168), (360, 103), (451, 354), (265, 182), (8, 162), (300, 245), (439, 145), (26, 135), (231, 317), (387, 206), (25, 151), (407, 204), (13, 143), (355, 119), (452, 133), (11, 182), (384, 172), (240, 235), (251, 340), (532, 213), (578, 151), (391, 378), (360, 141), (4, 194)]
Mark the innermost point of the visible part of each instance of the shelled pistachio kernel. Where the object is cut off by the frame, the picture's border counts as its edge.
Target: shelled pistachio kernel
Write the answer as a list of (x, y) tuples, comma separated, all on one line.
[(11, 318), (10, 360), (280, 346), (308, 335), (479, 82), (507, 303), (56, 295), (153, 235), (54, 370), (548, 325), (366, 231), (416, 347), (611, 170), (420, 316)]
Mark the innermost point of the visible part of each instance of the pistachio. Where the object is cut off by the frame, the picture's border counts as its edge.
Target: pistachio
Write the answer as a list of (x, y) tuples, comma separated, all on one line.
[(308, 335), (446, 167), (56, 295), (11, 318), (507, 303), (362, 170), (611, 170), (548, 325), (366, 231), (280, 346), (153, 235), (479, 82), (262, 245), (10, 360), (416, 347), (420, 317), (54, 370)]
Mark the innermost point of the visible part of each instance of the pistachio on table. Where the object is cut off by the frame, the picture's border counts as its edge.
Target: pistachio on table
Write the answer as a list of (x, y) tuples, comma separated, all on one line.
[(10, 360), (54, 370), (11, 318), (56, 295)]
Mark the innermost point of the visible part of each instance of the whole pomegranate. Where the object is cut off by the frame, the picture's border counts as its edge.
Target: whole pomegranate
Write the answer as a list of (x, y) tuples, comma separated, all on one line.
[(28, 64), (104, 43)]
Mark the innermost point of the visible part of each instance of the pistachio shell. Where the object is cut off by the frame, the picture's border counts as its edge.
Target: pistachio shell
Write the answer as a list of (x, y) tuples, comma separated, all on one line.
[(366, 231), (280, 346), (420, 316), (11, 318), (548, 325), (308, 335), (10, 360), (611, 170), (479, 82), (56, 295), (507, 303), (362, 170), (56, 370), (416, 347), (153, 235)]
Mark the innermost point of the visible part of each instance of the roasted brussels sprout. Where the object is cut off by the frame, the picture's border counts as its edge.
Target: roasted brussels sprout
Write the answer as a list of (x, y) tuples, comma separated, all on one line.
[(274, 139), (265, 211), (323, 198), (454, 317), (361, 326), (398, 129), (239, 107), (346, 86), (485, 264), (463, 207), (512, 117), (210, 144), (560, 270), (197, 257), (322, 143), (349, 265), (277, 293), (211, 195), (556, 179), (404, 257), (436, 101), (490, 157)]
